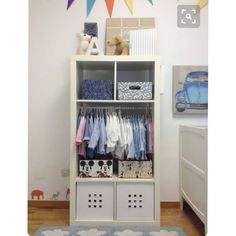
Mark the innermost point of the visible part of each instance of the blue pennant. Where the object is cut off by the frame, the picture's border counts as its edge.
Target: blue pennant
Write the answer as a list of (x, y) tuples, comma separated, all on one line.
[(90, 4)]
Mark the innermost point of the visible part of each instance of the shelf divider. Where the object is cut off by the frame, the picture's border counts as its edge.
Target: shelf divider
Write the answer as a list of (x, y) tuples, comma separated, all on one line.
[(115, 79)]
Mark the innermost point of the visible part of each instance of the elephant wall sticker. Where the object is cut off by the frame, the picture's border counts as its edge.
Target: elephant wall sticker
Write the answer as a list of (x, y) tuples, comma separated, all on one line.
[(38, 194)]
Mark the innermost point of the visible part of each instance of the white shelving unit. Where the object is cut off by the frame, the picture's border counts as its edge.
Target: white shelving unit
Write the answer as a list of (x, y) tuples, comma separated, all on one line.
[(111, 198)]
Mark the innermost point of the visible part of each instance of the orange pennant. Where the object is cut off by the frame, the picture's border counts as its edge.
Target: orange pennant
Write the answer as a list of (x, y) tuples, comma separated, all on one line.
[(110, 4)]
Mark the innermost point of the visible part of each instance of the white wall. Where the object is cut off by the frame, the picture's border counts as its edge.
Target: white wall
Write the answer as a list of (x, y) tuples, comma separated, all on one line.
[(52, 32)]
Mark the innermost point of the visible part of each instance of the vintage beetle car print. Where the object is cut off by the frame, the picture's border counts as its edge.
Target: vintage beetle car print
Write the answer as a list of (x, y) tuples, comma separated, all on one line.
[(194, 94)]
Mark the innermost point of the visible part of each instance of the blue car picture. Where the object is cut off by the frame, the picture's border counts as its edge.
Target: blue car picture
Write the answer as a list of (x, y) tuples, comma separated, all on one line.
[(194, 94)]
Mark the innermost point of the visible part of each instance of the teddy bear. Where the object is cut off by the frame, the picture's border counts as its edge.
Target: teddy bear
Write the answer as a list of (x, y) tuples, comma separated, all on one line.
[(84, 43), (121, 47)]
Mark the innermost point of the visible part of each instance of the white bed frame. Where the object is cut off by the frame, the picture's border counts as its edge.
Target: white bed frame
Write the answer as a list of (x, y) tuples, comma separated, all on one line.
[(193, 169)]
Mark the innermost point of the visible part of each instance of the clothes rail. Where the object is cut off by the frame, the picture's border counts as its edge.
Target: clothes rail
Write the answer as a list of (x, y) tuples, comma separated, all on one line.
[(115, 107)]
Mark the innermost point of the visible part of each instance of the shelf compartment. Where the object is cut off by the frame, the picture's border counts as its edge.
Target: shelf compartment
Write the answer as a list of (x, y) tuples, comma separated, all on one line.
[(135, 201), (94, 201), (94, 71), (135, 72)]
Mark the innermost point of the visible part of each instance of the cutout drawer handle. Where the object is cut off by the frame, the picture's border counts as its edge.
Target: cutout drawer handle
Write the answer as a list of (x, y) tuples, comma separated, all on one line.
[(134, 87)]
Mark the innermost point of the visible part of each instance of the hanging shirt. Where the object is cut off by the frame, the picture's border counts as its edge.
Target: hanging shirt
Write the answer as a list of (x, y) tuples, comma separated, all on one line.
[(142, 139), (78, 121), (113, 133), (80, 131), (135, 128), (107, 126), (103, 136), (95, 134), (80, 135), (119, 152), (147, 134), (131, 153), (86, 130), (150, 125), (128, 135)]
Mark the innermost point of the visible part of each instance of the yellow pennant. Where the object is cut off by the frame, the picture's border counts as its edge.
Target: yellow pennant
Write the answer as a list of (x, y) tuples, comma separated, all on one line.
[(202, 3), (129, 4)]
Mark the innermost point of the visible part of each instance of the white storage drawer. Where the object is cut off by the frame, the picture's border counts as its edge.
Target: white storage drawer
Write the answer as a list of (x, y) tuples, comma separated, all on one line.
[(95, 201), (135, 201)]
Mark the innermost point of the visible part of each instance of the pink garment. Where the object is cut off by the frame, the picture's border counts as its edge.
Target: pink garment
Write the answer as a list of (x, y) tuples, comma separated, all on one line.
[(79, 137), (151, 131), (81, 150)]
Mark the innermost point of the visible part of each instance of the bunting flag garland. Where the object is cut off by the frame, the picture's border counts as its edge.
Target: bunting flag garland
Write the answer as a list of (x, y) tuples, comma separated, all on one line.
[(69, 3), (129, 4), (110, 4), (90, 4)]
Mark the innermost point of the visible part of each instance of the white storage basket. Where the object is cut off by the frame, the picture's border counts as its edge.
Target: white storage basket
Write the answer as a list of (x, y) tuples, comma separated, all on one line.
[(135, 201), (94, 201)]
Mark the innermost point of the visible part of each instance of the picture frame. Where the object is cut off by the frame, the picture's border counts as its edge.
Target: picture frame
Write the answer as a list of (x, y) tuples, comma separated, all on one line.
[(190, 90)]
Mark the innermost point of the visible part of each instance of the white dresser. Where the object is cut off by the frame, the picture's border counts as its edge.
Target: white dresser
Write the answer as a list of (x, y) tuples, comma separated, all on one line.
[(193, 169)]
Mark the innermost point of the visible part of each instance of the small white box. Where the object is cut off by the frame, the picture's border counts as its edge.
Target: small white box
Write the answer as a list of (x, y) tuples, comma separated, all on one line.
[(135, 201), (94, 201)]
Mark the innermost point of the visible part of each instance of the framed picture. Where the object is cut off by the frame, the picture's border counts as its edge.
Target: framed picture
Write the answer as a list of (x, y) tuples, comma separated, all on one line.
[(91, 28), (190, 89)]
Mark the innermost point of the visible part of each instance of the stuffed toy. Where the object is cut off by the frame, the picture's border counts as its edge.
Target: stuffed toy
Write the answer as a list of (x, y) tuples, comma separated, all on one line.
[(121, 47), (84, 43)]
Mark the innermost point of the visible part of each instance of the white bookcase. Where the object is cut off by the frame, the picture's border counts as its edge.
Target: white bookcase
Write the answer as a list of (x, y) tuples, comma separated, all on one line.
[(107, 201)]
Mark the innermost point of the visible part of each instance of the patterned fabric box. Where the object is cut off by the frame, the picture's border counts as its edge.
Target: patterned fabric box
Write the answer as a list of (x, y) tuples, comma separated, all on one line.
[(97, 89), (95, 168), (135, 90), (135, 169)]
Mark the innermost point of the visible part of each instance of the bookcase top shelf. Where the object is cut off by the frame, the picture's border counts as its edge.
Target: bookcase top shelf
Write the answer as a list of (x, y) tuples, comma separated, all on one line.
[(115, 58)]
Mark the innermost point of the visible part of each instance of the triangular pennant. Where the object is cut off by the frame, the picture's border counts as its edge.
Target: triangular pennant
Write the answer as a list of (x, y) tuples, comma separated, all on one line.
[(129, 4), (69, 3), (94, 47), (110, 4), (90, 4), (150, 1), (202, 3)]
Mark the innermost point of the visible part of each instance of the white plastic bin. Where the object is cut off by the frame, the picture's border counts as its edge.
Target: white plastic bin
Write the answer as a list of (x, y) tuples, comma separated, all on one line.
[(95, 201), (135, 201)]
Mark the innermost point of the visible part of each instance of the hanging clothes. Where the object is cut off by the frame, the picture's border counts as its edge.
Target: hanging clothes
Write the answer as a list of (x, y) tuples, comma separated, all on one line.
[(125, 137)]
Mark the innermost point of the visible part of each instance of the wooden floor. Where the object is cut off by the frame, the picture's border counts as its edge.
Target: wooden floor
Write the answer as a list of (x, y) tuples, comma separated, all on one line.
[(169, 217)]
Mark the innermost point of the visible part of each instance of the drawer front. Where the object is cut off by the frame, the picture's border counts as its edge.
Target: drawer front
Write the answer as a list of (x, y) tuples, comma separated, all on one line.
[(135, 201), (95, 201)]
